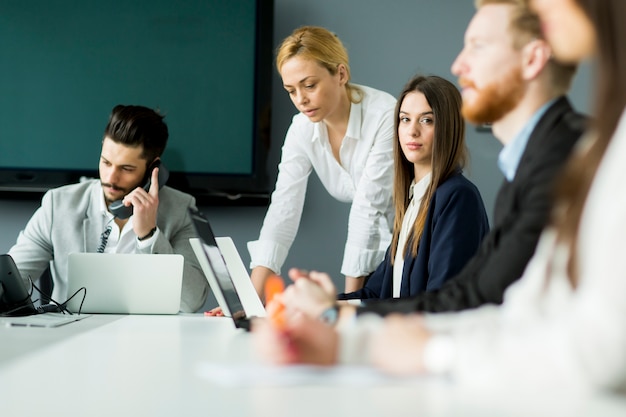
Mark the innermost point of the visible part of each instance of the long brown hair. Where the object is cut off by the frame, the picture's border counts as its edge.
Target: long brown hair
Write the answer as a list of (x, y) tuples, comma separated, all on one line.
[(610, 101), (449, 151)]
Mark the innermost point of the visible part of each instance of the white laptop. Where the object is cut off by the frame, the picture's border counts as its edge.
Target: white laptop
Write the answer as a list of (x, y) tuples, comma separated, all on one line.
[(125, 283), (239, 275), (226, 274)]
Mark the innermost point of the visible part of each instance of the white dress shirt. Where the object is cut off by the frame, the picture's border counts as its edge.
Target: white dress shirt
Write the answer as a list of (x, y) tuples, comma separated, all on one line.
[(547, 333), (416, 194), (125, 240), (364, 177)]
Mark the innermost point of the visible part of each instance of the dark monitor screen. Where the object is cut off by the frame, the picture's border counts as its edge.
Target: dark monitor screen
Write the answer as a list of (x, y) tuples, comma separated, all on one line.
[(205, 64), (218, 266)]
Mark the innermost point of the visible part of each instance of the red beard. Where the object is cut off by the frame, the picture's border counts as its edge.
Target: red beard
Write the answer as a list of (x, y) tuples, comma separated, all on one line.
[(495, 100)]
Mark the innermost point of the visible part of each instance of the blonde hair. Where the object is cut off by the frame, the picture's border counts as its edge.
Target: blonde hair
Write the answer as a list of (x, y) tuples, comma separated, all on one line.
[(322, 46)]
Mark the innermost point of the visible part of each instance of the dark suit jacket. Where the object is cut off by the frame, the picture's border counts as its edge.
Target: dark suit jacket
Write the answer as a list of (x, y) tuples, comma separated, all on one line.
[(522, 210), (455, 225)]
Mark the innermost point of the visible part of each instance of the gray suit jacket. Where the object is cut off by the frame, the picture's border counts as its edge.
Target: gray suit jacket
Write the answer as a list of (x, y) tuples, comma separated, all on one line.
[(69, 221)]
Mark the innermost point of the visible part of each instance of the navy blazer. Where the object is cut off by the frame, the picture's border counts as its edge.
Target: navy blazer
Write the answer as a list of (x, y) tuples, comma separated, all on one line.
[(455, 225), (522, 210)]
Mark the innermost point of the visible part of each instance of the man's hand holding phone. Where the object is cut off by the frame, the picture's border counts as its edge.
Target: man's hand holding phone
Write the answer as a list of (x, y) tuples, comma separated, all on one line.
[(145, 205)]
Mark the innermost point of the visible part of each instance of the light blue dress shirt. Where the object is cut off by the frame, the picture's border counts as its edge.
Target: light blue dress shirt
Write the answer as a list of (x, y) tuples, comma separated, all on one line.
[(511, 154)]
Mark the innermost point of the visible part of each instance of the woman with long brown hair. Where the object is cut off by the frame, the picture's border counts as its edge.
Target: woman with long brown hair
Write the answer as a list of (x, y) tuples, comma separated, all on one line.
[(440, 218)]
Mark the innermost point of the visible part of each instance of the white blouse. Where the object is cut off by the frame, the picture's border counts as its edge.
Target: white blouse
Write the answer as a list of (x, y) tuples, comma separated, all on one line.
[(364, 178), (416, 194)]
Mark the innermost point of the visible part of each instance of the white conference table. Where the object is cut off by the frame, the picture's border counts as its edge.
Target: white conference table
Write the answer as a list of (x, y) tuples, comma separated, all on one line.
[(191, 365)]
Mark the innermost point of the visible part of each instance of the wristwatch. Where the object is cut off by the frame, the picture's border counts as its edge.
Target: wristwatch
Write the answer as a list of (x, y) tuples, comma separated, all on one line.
[(330, 315), (149, 235)]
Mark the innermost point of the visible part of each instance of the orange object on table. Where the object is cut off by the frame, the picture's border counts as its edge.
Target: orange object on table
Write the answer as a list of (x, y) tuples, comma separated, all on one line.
[(275, 309)]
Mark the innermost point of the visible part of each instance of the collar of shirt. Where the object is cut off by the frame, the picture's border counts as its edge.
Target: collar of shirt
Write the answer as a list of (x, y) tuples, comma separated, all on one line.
[(511, 155), (120, 242), (354, 124), (416, 194), (419, 188), (103, 208)]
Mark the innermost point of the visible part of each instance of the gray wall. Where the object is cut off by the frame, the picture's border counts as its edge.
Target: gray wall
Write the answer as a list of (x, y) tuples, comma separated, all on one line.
[(388, 41)]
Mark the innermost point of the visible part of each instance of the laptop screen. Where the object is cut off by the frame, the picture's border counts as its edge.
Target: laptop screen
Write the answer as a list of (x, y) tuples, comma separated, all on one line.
[(218, 265)]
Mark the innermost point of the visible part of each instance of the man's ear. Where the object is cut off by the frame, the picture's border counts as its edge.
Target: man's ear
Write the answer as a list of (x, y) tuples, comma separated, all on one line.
[(535, 57)]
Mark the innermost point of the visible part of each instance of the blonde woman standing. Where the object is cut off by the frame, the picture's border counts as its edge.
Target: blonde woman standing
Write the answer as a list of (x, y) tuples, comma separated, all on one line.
[(343, 132)]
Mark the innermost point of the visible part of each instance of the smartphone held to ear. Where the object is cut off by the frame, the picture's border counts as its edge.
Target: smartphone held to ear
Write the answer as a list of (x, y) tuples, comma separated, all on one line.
[(119, 210)]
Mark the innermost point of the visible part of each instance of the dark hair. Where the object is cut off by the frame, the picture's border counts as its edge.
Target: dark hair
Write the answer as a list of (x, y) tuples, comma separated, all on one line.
[(449, 151), (610, 101), (135, 126)]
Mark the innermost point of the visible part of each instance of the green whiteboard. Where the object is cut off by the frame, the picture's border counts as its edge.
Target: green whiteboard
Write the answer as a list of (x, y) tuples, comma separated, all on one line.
[(65, 64)]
